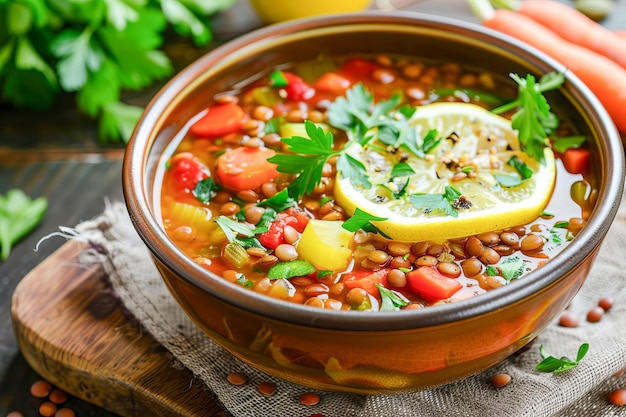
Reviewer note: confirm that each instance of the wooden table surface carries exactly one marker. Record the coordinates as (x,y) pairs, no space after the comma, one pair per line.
(57,155)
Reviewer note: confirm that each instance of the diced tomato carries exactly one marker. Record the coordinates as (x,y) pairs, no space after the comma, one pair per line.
(429,284)
(246,168)
(333,83)
(366,280)
(576,161)
(186,171)
(297,89)
(220,120)
(301,218)
(275,234)
(357,69)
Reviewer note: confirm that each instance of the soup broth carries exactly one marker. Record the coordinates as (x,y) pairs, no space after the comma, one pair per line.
(241,216)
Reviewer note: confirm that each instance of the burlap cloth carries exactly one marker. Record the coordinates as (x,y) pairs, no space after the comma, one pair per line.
(581,391)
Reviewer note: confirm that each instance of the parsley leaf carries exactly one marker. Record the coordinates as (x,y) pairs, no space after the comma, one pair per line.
(205,189)
(402,169)
(533,119)
(511,268)
(391,300)
(357,113)
(18,216)
(363,220)
(280,201)
(556,365)
(95,49)
(443,203)
(308,159)
(232,229)
(563,143)
(353,169)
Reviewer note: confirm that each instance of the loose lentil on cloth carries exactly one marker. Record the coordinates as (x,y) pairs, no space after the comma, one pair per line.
(581,391)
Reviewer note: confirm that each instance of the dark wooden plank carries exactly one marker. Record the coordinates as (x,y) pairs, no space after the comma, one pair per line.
(72,331)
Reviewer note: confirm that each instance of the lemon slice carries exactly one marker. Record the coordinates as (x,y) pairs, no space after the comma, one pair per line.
(472,157)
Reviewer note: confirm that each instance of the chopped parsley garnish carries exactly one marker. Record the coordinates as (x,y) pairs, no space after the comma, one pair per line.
(278,79)
(511,268)
(307,159)
(232,229)
(280,201)
(205,190)
(447,203)
(363,220)
(402,169)
(357,113)
(556,365)
(533,119)
(391,300)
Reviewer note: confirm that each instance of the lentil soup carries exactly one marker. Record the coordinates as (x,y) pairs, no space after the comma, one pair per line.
(232,202)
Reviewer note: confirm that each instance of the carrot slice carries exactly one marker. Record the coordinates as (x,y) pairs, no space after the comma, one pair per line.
(246,168)
(576,161)
(331,82)
(591,67)
(429,284)
(220,120)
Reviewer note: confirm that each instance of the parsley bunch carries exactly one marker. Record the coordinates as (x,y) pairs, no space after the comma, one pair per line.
(95,49)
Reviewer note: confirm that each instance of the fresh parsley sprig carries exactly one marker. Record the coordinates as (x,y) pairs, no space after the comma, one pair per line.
(558,365)
(307,159)
(533,119)
(363,220)
(94,48)
(19,215)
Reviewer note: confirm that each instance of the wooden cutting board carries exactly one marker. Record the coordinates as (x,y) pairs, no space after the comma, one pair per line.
(72,331)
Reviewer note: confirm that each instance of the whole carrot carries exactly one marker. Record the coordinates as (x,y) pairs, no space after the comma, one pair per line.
(575,27)
(605,78)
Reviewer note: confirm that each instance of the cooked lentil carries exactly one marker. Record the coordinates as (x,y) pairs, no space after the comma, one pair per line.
(618,397)
(595,314)
(309,398)
(40,389)
(501,380)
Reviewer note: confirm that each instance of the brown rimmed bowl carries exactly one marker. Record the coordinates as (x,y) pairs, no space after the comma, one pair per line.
(387,351)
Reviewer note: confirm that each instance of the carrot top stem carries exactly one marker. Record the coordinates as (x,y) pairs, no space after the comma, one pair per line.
(482,9)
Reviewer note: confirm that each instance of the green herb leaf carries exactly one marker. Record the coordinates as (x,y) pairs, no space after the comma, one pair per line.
(402,169)
(118,121)
(232,229)
(391,300)
(307,159)
(443,203)
(205,189)
(512,268)
(533,119)
(363,220)
(563,143)
(278,79)
(353,169)
(357,114)
(290,269)
(280,201)
(521,167)
(19,215)
(556,365)
(508,181)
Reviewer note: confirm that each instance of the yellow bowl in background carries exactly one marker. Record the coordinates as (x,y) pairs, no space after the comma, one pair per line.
(274,11)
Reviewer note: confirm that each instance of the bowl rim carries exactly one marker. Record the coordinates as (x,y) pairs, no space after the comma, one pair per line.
(148,226)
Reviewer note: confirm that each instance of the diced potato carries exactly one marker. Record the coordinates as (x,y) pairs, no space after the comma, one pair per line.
(326,245)
(282,288)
